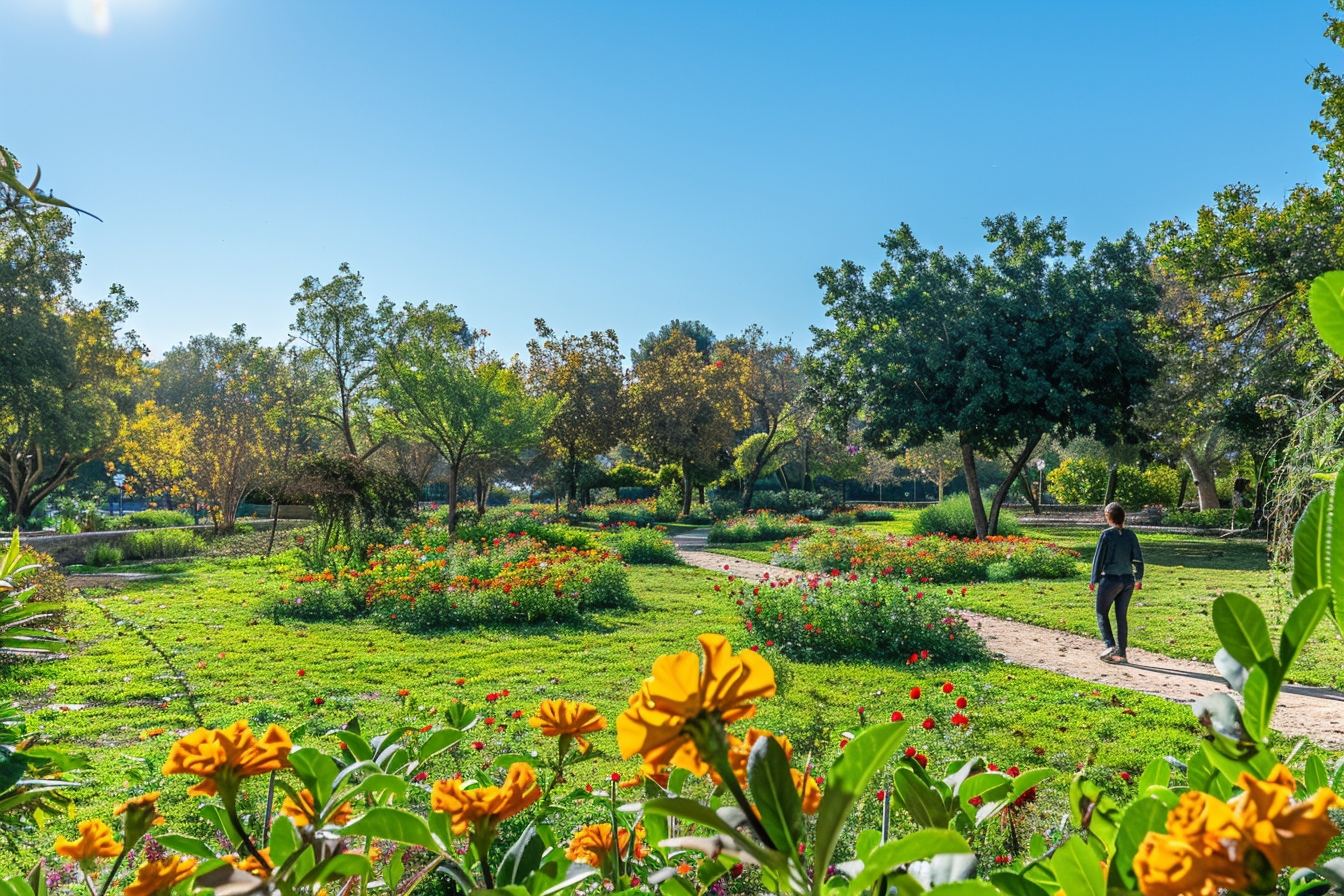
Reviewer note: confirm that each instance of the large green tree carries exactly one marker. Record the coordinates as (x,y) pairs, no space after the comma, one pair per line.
(66,368)
(1037,339)
(440,387)
(697,332)
(586,376)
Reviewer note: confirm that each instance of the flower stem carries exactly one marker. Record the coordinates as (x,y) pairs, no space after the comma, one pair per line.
(116,866)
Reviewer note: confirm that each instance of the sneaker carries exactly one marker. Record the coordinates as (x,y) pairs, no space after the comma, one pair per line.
(1117,658)
(1109,652)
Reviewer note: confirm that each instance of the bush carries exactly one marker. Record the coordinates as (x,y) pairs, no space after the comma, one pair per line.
(103,555)
(874,515)
(493,529)
(824,617)
(1199,519)
(843,518)
(931,558)
(667,506)
(1079,480)
(763,526)
(953,517)
(642,546)
(159,544)
(1155,485)
(159,519)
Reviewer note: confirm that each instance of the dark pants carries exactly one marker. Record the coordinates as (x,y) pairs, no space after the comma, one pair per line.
(1114,591)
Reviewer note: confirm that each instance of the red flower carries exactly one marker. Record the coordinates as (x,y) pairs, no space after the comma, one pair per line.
(1125,776)
(477,745)
(909,571)
(302,673)
(959,719)
(947,687)
(914,658)
(615,776)
(844,742)
(426,728)
(491,698)
(881,795)
(460,682)
(504,693)
(420,777)
(910,752)
(928,724)
(1002,860)
(897,717)
(769,643)
(923,654)
(860,710)
(922,760)
(318,701)
(961,703)
(976,801)
(403,692)
(489,720)
(914,693)
(516,714)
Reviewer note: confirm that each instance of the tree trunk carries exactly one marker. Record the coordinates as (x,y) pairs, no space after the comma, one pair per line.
(1111,482)
(1032,498)
(482,493)
(748,492)
(973,488)
(1180,498)
(453,470)
(1201,470)
(686,489)
(275,520)
(1001,494)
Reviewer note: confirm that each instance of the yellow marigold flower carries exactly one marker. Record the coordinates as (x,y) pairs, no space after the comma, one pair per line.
(250,863)
(740,750)
(486,806)
(303,812)
(96,841)
(680,691)
(156,877)
(808,791)
(1290,835)
(233,752)
(592,844)
(561,718)
(151,732)
(142,813)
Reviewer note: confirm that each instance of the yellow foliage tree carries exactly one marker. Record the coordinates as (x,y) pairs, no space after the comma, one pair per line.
(156,444)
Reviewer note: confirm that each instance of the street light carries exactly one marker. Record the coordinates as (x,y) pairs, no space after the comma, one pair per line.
(119,480)
(1040,486)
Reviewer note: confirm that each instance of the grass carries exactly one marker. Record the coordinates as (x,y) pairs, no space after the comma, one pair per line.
(1169,616)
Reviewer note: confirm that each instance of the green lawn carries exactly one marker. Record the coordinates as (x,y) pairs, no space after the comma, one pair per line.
(203,617)
(1170,615)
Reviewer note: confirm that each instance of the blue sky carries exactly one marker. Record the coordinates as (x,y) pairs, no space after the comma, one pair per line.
(620,164)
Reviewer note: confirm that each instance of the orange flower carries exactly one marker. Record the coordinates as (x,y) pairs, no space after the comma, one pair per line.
(680,692)
(303,812)
(808,791)
(1291,835)
(250,863)
(740,750)
(568,718)
(227,754)
(486,806)
(593,845)
(156,877)
(142,813)
(96,841)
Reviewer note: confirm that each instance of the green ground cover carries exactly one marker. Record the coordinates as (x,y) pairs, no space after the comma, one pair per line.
(1171,614)
(137,652)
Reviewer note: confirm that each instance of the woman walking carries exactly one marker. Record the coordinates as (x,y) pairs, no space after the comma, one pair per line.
(1117,569)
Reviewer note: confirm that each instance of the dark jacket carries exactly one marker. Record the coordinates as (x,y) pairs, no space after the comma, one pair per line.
(1118,554)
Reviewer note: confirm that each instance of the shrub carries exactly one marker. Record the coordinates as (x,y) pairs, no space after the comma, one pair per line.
(494,528)
(763,526)
(874,515)
(843,518)
(103,555)
(642,546)
(1079,480)
(159,544)
(825,617)
(1199,519)
(931,558)
(953,517)
(159,519)
(1155,485)
(667,506)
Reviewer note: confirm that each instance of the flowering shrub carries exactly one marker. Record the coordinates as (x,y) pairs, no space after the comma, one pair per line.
(641,513)
(760,526)
(953,516)
(931,558)
(814,617)
(640,546)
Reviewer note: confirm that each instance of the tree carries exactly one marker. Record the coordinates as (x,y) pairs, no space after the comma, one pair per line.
(463,400)
(22,203)
(701,335)
(686,409)
(341,335)
(156,444)
(1038,339)
(226,387)
(938,462)
(585,375)
(772,383)
(66,369)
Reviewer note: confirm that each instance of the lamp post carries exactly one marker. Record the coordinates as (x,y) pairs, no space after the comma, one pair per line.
(1040,486)
(119,480)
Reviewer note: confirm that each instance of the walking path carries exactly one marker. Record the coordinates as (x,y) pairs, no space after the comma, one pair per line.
(1317,713)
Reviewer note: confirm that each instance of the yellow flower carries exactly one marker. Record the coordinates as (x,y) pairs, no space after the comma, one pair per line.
(228,753)
(592,844)
(1210,845)
(486,806)
(303,812)
(156,877)
(151,732)
(142,813)
(561,718)
(96,841)
(679,691)
(808,791)
(740,750)
(250,863)
(1290,835)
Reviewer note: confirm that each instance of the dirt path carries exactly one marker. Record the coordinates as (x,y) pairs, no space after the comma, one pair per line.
(1317,713)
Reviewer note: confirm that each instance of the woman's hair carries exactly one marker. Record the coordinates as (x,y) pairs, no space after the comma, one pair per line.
(1115,512)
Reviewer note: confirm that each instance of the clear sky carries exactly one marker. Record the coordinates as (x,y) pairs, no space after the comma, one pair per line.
(619,164)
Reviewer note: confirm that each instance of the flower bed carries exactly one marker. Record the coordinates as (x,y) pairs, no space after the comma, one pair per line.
(640,546)
(934,558)
(761,526)
(816,617)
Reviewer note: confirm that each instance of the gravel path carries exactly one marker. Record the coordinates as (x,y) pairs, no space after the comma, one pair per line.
(1317,713)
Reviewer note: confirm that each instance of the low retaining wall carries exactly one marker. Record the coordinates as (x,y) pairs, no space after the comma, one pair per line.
(68,549)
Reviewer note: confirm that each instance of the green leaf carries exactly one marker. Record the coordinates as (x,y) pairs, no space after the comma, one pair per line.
(188,846)
(1077,869)
(1037,846)
(284,839)
(675,886)
(1241,628)
(920,800)
(341,865)
(989,786)
(1015,884)
(316,770)
(966,888)
(386,823)
(15,886)
(437,742)
(37,878)
(1301,624)
(1141,816)
(698,813)
(380,784)
(849,776)
(523,857)
(1029,779)
(1156,774)
(1311,547)
(1317,776)
(1261,694)
(1326,301)
(776,798)
(357,745)
(914,847)
(1093,810)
